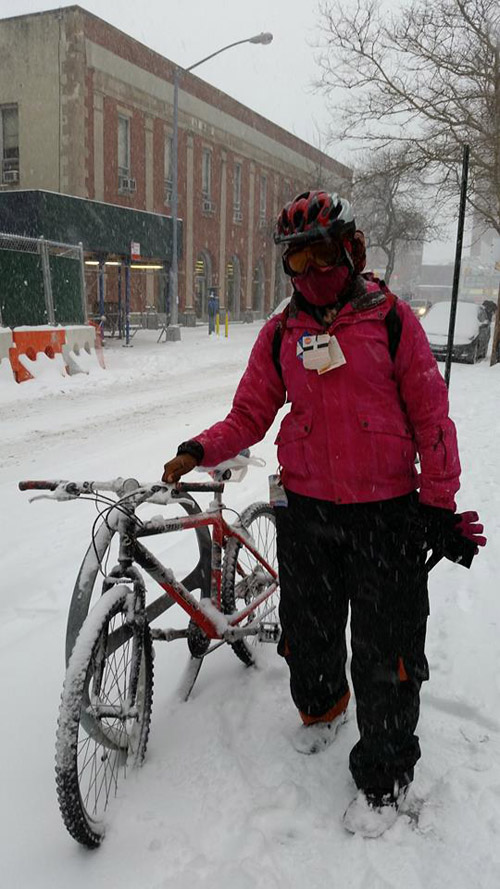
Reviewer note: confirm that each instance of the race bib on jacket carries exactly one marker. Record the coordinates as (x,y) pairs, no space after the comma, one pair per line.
(336,355)
(320,352)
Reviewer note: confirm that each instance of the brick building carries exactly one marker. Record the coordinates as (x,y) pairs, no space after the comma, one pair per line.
(86,111)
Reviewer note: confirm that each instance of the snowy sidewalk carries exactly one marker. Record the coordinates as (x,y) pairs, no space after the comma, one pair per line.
(223,800)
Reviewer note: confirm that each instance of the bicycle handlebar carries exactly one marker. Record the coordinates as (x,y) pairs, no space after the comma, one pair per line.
(38,486)
(68,490)
(230,470)
(116,485)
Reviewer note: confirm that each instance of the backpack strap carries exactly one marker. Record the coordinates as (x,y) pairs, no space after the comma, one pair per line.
(278,337)
(394,327)
(392,320)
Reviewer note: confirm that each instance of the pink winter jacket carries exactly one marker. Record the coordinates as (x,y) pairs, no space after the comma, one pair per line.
(353,433)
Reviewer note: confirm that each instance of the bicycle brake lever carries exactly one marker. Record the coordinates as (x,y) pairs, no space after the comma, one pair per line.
(164,494)
(57,495)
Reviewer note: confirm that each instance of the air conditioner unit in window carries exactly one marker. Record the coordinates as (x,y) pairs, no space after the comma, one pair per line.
(10,176)
(125,184)
(237,215)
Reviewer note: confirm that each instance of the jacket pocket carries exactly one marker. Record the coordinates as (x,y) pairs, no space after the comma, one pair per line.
(388,446)
(387,426)
(291,437)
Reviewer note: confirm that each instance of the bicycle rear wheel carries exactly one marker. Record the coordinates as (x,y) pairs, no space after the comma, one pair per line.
(104,715)
(243,578)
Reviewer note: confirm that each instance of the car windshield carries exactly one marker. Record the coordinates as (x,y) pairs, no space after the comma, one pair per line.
(438,318)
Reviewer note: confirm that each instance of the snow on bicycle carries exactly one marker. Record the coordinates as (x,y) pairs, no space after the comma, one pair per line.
(230,597)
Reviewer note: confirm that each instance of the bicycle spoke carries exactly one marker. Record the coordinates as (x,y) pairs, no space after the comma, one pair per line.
(245,579)
(108,735)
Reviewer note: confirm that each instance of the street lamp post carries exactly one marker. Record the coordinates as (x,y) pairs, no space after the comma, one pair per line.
(264,38)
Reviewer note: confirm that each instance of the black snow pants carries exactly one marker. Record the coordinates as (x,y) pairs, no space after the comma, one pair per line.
(359,555)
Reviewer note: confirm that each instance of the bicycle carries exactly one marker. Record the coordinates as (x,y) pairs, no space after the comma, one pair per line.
(106,703)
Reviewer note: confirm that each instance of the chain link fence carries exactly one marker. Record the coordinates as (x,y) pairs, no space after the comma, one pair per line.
(41,282)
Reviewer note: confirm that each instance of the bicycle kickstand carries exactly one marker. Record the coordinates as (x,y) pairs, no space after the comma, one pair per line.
(190,676)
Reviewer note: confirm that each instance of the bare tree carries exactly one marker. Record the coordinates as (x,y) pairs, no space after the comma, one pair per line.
(321,175)
(387,197)
(427,78)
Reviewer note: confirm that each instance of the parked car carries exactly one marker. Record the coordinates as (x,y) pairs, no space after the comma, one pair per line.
(420,307)
(472,331)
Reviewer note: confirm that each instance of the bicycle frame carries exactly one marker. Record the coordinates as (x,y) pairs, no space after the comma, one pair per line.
(105,711)
(131,550)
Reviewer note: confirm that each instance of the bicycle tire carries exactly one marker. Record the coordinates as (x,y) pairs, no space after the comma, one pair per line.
(88,588)
(94,749)
(239,560)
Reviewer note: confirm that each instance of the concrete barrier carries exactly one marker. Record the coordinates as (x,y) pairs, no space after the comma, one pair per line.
(80,350)
(6,343)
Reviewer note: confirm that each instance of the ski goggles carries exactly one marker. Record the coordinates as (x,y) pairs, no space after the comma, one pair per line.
(322,254)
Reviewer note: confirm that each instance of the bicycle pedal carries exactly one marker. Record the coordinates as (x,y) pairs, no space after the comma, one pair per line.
(269,633)
(168,635)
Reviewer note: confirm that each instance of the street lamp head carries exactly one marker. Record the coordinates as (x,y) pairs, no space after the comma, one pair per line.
(264,37)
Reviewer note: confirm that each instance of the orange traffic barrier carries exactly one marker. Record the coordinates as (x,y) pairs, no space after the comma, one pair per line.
(30,341)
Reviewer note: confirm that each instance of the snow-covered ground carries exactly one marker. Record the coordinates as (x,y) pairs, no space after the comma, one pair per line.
(223,800)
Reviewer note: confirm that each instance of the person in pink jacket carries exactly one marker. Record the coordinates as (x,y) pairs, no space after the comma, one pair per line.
(366,399)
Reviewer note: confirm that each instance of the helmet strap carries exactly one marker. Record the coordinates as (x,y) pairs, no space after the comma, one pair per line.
(348,259)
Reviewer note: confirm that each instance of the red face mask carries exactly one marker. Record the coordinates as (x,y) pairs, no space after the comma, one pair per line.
(322,287)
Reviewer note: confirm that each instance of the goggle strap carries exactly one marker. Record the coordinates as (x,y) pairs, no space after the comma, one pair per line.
(348,257)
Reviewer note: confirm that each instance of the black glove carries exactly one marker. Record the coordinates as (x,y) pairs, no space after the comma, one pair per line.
(438,529)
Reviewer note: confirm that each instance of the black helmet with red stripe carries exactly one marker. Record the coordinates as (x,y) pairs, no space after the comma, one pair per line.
(314,215)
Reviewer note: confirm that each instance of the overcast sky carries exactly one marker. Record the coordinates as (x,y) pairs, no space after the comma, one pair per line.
(275,80)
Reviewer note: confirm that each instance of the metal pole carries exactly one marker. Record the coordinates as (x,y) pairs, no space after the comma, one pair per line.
(264,38)
(101,298)
(495,356)
(120,304)
(83,284)
(458,260)
(47,283)
(174,290)
(127,303)
(495,346)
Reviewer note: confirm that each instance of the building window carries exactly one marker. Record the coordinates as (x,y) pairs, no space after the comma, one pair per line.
(9,144)
(286,192)
(167,167)
(123,146)
(206,173)
(126,185)
(263,199)
(237,214)
(206,181)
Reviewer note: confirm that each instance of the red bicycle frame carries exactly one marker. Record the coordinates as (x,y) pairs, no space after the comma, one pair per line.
(131,550)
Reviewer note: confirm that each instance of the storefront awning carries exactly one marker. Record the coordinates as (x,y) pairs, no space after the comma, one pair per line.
(101,228)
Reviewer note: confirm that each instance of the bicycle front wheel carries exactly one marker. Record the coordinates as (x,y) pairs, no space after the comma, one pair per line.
(243,578)
(102,555)
(104,715)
